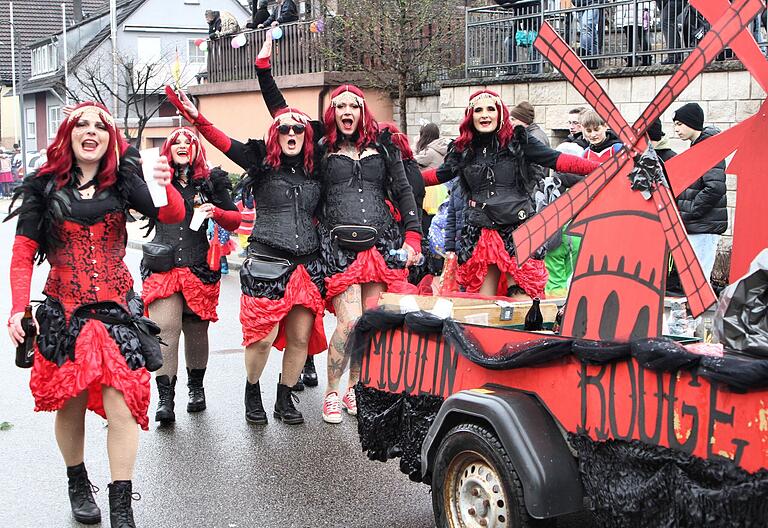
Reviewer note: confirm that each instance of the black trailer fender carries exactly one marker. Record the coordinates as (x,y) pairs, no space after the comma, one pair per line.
(535,445)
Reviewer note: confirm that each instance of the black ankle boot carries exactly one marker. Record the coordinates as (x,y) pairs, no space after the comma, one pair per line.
(166,389)
(196,391)
(120,511)
(81,491)
(284,408)
(254,409)
(308,373)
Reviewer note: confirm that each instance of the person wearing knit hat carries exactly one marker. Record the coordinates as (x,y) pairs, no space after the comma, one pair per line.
(523,115)
(489,157)
(523,112)
(704,205)
(282,280)
(368,225)
(691,115)
(659,141)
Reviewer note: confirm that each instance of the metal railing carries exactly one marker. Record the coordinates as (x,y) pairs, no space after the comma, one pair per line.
(606,33)
(299,51)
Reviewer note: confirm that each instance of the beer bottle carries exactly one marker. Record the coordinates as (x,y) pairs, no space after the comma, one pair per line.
(533,319)
(25,352)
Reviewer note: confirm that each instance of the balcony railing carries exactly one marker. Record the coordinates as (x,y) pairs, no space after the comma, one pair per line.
(299,51)
(607,34)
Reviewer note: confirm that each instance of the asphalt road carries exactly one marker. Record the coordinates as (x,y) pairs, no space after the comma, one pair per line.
(211,469)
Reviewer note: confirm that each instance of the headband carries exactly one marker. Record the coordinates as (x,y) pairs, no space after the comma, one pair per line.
(104,115)
(347,97)
(482,96)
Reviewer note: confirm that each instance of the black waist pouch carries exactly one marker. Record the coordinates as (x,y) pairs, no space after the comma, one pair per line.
(158,258)
(354,237)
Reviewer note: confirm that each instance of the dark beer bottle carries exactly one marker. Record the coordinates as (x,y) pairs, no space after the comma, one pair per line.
(533,319)
(25,352)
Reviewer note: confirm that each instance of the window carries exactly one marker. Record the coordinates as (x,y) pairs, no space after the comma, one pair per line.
(54,119)
(45,59)
(29,114)
(194,55)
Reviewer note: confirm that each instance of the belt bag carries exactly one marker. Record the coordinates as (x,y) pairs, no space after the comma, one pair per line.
(354,237)
(507,210)
(158,258)
(265,267)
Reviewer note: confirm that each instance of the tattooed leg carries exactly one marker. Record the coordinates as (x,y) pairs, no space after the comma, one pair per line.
(348,306)
(370,294)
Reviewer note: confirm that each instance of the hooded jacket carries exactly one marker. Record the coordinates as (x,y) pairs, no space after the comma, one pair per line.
(703,205)
(284,13)
(603,151)
(433,155)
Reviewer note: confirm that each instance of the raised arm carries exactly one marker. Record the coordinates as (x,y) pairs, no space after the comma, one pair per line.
(537,152)
(138,194)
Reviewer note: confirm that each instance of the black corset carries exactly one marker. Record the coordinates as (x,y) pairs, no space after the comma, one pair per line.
(355,192)
(285,206)
(190,248)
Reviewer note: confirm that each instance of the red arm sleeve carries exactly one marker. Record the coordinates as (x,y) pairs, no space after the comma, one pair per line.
(174,212)
(215,137)
(229,220)
(574,164)
(22,262)
(430,177)
(413,239)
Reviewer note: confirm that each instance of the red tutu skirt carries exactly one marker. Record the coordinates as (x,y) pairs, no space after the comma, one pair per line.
(531,276)
(98,362)
(259,315)
(200,297)
(369,266)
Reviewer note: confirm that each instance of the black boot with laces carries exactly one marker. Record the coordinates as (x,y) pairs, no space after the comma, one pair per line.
(285,411)
(120,510)
(254,409)
(196,401)
(308,373)
(81,491)
(166,390)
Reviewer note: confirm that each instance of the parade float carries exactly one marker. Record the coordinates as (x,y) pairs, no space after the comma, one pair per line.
(516,428)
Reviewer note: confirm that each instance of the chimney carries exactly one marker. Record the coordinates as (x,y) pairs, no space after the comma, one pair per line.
(77,10)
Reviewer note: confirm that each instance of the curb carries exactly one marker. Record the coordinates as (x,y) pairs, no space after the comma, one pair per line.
(233,264)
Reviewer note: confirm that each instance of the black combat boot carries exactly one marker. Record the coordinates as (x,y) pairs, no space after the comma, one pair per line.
(196,401)
(254,409)
(284,408)
(120,511)
(81,499)
(308,373)
(166,389)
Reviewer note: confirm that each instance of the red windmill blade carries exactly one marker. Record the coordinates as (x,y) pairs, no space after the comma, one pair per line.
(738,16)
(552,46)
(542,226)
(744,45)
(697,289)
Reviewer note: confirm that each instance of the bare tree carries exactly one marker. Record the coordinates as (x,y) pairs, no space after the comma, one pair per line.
(400,45)
(140,89)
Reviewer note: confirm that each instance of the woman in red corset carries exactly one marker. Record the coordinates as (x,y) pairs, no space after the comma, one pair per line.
(282,277)
(491,158)
(180,291)
(90,353)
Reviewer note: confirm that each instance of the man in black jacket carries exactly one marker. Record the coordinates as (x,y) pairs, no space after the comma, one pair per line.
(286,11)
(703,205)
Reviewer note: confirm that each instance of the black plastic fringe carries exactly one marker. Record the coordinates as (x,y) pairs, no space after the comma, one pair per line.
(395,425)
(642,486)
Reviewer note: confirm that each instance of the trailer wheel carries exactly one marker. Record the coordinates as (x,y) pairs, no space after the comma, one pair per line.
(474,484)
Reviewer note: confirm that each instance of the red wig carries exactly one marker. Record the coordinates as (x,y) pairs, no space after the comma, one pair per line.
(367,128)
(504,130)
(273,143)
(61,158)
(198,162)
(399,139)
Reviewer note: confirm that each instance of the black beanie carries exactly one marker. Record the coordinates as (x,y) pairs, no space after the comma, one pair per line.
(654,131)
(690,114)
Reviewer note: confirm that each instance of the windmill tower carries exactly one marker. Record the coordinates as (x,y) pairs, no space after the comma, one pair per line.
(628,228)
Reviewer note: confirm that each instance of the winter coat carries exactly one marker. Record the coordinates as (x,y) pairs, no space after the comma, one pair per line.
(537,171)
(224,23)
(663,150)
(624,15)
(433,155)
(457,202)
(703,205)
(284,13)
(579,139)
(607,148)
(260,13)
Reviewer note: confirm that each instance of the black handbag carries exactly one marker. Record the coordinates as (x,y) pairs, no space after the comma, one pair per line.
(158,258)
(354,237)
(507,210)
(265,267)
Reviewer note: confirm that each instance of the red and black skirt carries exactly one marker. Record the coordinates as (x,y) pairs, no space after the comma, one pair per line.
(76,352)
(266,303)
(346,267)
(201,296)
(482,247)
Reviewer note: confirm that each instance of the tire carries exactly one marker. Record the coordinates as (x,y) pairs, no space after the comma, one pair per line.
(474,482)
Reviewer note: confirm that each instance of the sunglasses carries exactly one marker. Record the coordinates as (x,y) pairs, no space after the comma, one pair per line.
(297,129)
